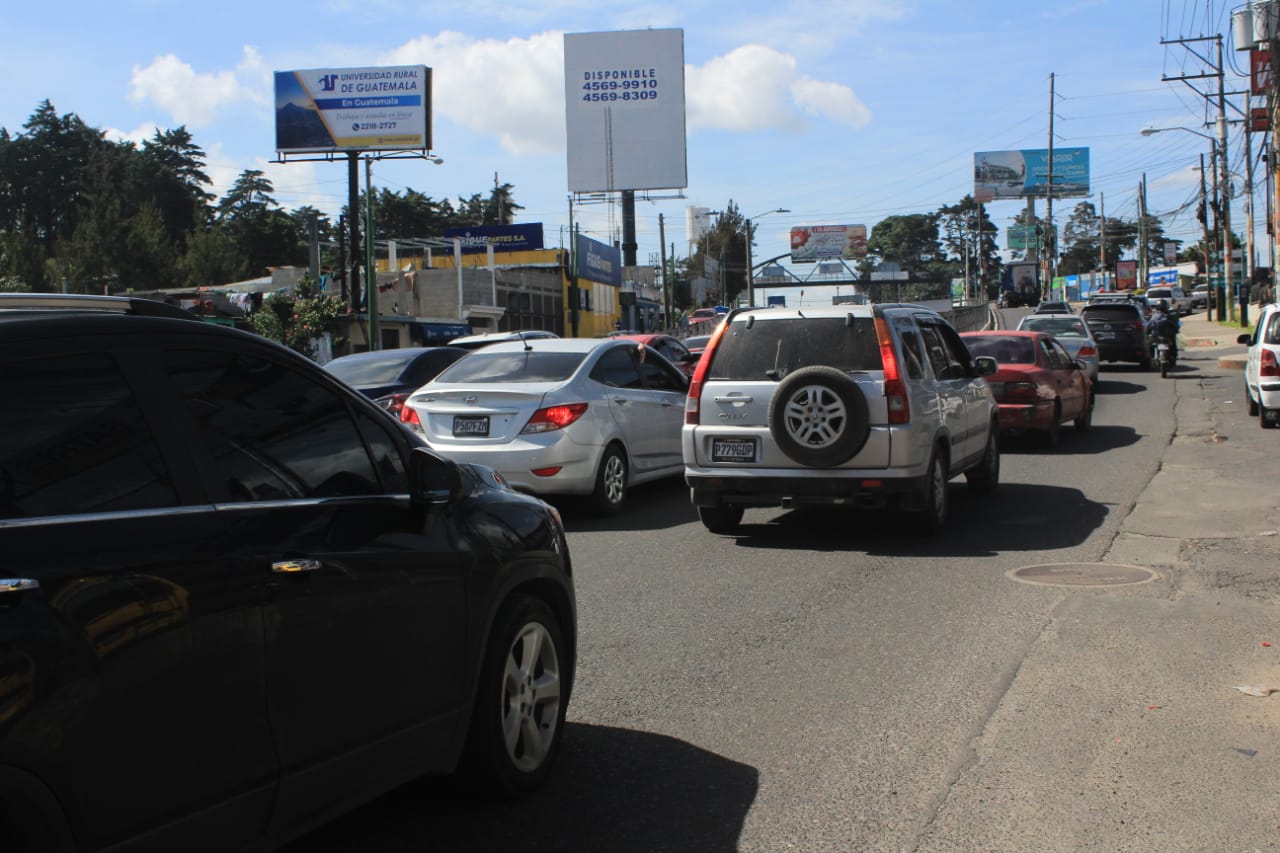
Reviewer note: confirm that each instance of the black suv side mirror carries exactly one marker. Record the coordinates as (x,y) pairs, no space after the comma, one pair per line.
(432,479)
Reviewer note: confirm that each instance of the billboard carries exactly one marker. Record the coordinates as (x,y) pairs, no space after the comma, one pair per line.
(1017,174)
(1126,275)
(503,238)
(624,110)
(823,242)
(324,110)
(598,262)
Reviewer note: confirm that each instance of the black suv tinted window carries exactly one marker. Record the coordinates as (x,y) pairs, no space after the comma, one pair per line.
(73,440)
(274,433)
(770,349)
(1112,313)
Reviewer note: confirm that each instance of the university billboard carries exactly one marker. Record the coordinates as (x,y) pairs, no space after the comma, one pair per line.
(324,110)
(624,110)
(810,243)
(1018,174)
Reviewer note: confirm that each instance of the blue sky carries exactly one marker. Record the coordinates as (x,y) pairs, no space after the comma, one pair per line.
(911,89)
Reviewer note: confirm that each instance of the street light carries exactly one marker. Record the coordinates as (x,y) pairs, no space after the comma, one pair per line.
(1218,147)
(751,278)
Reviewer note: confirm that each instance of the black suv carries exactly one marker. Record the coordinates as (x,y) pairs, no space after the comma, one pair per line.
(238,599)
(1119,329)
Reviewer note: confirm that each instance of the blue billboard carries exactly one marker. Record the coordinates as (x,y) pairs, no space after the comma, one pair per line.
(599,262)
(503,238)
(1018,174)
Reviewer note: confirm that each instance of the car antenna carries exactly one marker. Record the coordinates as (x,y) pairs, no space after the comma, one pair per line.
(524,341)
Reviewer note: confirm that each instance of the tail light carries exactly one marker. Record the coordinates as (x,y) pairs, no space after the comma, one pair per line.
(895,390)
(1087,351)
(1021,392)
(393,403)
(409,416)
(553,418)
(1267,364)
(691,402)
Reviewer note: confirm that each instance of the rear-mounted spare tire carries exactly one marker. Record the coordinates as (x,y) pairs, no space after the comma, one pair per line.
(819,417)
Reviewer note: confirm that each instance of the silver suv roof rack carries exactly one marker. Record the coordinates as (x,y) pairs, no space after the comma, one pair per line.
(87,302)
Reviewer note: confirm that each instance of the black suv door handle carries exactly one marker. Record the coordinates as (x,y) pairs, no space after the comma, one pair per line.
(291,567)
(9,586)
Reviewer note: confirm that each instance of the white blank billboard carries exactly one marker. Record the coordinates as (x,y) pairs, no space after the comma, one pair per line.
(624,110)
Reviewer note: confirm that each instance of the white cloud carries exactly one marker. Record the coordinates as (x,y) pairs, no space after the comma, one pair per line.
(194,99)
(755,88)
(138,135)
(512,90)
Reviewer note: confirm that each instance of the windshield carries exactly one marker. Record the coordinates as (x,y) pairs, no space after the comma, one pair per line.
(482,366)
(371,369)
(771,349)
(1062,327)
(1005,350)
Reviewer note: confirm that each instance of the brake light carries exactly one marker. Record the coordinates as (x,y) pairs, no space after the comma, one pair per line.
(1087,351)
(1267,364)
(409,416)
(393,403)
(695,384)
(553,418)
(1021,392)
(895,390)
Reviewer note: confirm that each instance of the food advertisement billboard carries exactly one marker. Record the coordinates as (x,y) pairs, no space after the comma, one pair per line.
(810,243)
(624,110)
(1018,174)
(324,110)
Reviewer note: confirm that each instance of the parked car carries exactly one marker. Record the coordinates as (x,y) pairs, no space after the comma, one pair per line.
(1072,332)
(1199,297)
(1119,330)
(670,348)
(1053,307)
(1172,297)
(388,376)
(1038,384)
(239,599)
(1262,371)
(470,342)
(571,416)
(862,406)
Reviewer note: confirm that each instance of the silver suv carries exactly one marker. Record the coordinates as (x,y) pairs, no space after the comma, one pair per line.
(853,405)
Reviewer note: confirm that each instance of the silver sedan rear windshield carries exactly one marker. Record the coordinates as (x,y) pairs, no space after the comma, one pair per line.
(770,349)
(533,366)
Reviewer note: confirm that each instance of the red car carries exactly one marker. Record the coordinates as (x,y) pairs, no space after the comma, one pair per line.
(1038,384)
(673,349)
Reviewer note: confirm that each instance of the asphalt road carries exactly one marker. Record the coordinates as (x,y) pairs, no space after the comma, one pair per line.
(836,681)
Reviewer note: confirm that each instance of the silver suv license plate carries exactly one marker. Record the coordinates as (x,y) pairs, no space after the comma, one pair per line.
(733,450)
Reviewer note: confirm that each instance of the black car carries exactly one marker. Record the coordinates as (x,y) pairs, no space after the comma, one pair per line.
(238,599)
(389,376)
(1119,329)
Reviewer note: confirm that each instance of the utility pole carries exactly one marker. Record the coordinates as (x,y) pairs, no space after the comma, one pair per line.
(1051,244)
(1144,261)
(371,287)
(1204,223)
(666,279)
(1226,187)
(1102,236)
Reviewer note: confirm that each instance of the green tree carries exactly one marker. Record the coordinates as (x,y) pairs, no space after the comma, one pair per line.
(910,240)
(967,231)
(298,320)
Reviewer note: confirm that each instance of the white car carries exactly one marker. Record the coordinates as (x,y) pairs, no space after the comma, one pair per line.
(559,416)
(1262,373)
(1174,298)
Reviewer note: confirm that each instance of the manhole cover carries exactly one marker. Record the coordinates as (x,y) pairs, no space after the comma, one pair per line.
(1083,574)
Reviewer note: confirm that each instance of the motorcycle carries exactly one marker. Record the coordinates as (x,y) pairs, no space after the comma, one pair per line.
(1164,355)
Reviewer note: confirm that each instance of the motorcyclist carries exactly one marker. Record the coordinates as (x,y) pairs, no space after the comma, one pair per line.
(1163,325)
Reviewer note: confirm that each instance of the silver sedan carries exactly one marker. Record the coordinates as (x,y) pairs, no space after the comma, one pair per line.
(566,416)
(1072,332)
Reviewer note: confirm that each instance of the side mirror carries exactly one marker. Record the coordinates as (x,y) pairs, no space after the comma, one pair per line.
(432,479)
(1244,339)
(985,365)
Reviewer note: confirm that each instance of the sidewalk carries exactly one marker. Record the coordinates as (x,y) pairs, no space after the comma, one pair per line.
(1201,334)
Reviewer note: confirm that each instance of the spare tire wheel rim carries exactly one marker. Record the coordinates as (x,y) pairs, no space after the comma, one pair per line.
(816,416)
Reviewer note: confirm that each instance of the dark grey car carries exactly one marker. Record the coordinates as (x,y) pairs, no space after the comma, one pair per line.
(1120,332)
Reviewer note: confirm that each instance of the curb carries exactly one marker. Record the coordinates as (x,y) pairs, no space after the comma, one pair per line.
(1233,362)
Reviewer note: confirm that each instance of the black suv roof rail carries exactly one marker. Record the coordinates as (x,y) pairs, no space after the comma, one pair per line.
(87,302)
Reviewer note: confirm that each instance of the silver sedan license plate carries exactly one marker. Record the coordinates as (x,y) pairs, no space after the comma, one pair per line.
(733,450)
(471,425)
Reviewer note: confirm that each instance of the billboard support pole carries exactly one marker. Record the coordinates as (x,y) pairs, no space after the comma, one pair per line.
(353,219)
(371,272)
